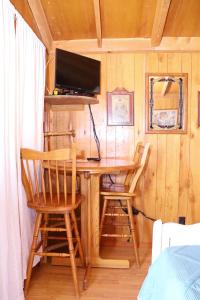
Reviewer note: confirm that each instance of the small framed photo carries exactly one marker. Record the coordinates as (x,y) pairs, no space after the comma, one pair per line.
(120,107)
(165,118)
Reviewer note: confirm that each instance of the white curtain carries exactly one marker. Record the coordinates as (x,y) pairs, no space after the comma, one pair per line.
(22,78)
(30,82)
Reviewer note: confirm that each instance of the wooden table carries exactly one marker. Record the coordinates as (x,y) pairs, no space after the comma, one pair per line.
(90,173)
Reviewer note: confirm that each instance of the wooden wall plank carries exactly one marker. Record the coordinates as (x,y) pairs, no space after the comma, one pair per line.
(172,156)
(139,107)
(150,177)
(194,187)
(161,154)
(125,80)
(111,84)
(185,145)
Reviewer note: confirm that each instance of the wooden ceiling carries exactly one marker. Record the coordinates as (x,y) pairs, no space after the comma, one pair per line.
(66,20)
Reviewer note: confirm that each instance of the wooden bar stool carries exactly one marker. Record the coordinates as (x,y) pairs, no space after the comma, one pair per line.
(123,195)
(44,176)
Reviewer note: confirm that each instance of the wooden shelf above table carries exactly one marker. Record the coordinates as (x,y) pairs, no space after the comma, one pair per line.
(70,100)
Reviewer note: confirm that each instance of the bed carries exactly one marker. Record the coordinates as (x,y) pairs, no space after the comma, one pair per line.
(175,270)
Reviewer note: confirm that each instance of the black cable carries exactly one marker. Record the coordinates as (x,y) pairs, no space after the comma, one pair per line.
(95,133)
(134,210)
(137,211)
(110,179)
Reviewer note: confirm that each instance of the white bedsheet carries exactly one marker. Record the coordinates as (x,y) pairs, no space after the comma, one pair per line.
(175,275)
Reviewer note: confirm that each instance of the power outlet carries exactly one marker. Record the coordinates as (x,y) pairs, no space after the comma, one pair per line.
(181,220)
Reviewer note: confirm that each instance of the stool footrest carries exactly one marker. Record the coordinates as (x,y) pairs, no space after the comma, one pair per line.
(52,229)
(116,235)
(116,215)
(52,254)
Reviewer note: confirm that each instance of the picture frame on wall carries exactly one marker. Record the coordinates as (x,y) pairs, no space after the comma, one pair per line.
(120,108)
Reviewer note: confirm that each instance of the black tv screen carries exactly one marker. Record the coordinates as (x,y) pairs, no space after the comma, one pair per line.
(76,73)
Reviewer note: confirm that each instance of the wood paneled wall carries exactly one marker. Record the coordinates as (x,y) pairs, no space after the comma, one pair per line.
(172,182)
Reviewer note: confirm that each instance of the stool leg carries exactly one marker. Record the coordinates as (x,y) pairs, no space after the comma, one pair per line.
(32,252)
(130,214)
(78,238)
(105,204)
(44,235)
(72,254)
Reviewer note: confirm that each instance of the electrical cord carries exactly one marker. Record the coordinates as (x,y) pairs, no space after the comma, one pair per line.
(110,179)
(134,209)
(95,135)
(137,211)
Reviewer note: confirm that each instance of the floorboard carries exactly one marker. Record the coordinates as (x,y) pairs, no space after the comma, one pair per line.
(55,282)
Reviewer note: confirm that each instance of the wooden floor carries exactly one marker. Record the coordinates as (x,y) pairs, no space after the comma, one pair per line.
(55,282)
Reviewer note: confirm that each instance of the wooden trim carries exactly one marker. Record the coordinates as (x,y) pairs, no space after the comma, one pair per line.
(97,13)
(168,44)
(198,122)
(41,21)
(159,21)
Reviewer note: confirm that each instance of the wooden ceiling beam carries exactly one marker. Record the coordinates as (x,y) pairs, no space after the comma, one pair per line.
(98,21)
(41,21)
(168,44)
(159,21)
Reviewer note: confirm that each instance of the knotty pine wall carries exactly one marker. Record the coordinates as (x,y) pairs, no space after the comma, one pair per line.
(171,187)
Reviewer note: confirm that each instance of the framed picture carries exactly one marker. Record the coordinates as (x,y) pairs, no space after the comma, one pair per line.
(165,118)
(120,107)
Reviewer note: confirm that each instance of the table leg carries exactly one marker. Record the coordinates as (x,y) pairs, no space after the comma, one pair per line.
(85,225)
(96,260)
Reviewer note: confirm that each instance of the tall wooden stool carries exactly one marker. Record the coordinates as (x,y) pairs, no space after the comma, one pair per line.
(44,176)
(124,194)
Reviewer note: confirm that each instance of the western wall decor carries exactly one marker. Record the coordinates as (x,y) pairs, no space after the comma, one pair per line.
(120,107)
(166,103)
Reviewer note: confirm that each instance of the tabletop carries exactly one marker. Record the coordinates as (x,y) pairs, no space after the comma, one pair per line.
(105,165)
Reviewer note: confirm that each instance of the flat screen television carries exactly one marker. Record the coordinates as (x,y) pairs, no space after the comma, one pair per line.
(76,74)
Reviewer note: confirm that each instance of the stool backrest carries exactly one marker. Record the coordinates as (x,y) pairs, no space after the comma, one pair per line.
(141,158)
(44,175)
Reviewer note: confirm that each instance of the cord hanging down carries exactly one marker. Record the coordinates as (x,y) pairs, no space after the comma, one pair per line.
(95,137)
